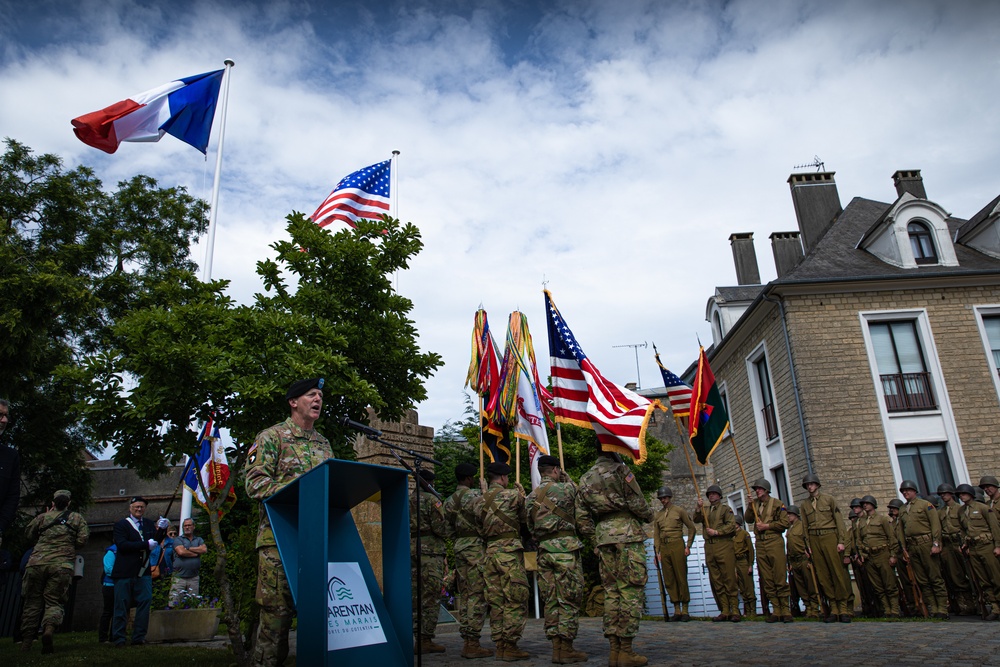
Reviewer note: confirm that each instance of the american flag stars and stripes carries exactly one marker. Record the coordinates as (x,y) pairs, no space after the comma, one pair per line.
(678,393)
(363,195)
(584,397)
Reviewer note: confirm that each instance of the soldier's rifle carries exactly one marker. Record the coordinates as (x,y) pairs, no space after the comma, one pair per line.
(980,599)
(663,591)
(869,603)
(918,598)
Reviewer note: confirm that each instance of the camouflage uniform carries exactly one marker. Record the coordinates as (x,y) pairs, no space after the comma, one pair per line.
(825,527)
(610,506)
(877,544)
(956,578)
(433,531)
(981,530)
(551,518)
(279,455)
(502,514)
(921,528)
(744,554)
(799,567)
(771,564)
(47,578)
(719,556)
(461,512)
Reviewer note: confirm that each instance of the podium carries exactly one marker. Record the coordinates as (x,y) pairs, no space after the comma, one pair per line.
(344,618)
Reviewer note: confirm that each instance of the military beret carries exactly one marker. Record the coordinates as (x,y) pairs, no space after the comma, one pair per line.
(63,493)
(463,470)
(497,468)
(427,474)
(300,387)
(137,499)
(547,461)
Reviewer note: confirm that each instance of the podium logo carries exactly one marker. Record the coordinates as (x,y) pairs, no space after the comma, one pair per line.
(337,590)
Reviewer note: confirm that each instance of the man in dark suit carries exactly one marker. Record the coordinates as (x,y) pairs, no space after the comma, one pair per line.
(134,537)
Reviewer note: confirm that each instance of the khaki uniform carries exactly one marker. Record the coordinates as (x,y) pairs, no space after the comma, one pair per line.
(461,512)
(551,515)
(501,515)
(906,585)
(771,565)
(921,528)
(433,531)
(610,506)
(720,556)
(981,531)
(47,578)
(956,577)
(744,554)
(877,544)
(279,455)
(800,568)
(825,527)
(668,538)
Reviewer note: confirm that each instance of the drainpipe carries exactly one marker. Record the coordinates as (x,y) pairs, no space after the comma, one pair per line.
(795,382)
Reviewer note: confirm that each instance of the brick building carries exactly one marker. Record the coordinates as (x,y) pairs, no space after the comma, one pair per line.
(872,357)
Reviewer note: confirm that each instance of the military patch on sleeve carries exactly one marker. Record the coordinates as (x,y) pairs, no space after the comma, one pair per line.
(252,456)
(437,504)
(630,477)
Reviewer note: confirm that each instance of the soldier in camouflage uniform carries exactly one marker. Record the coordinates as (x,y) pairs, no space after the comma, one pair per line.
(921,530)
(799,567)
(720,526)
(427,521)
(501,515)
(878,550)
(461,513)
(611,506)
(981,531)
(956,577)
(551,513)
(280,454)
(672,552)
(59,533)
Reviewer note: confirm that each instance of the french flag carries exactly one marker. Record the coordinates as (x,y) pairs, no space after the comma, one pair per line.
(184,108)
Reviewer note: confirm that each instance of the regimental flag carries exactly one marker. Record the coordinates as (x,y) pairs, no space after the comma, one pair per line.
(184,108)
(678,393)
(582,396)
(484,378)
(212,466)
(363,195)
(708,420)
(496,440)
(528,416)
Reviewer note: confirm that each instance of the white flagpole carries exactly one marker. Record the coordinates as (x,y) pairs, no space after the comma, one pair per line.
(394,185)
(186,497)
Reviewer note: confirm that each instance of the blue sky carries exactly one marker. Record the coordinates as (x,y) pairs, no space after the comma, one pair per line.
(607,148)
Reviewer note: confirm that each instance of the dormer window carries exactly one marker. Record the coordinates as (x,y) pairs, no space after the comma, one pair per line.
(922,243)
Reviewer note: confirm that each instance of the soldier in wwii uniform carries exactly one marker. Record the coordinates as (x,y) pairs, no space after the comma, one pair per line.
(57,534)
(879,549)
(611,506)
(280,454)
(827,539)
(672,551)
(921,529)
(720,526)
(551,515)
(798,563)
(744,554)
(461,512)
(906,585)
(770,521)
(991,487)
(981,531)
(956,579)
(506,579)
(427,520)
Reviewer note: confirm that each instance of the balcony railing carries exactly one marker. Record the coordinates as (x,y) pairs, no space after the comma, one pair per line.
(770,421)
(906,392)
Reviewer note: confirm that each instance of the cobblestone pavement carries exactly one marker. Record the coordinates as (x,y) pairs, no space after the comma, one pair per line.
(955,643)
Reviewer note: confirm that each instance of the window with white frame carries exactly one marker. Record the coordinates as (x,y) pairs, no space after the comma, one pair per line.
(902,368)
(922,243)
(926,464)
(991,326)
(768,416)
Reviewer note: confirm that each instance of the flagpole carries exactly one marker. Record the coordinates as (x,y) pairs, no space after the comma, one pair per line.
(394,185)
(562,463)
(517,461)
(482,477)
(742,472)
(687,455)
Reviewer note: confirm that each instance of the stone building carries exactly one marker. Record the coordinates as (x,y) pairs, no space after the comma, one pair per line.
(872,357)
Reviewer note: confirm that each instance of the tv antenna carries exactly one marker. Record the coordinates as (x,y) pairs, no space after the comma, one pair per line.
(638,384)
(819,164)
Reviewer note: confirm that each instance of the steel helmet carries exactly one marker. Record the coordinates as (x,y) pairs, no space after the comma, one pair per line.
(811,478)
(966,488)
(761,483)
(908,484)
(664,492)
(715,488)
(895,503)
(793,509)
(988,480)
(856,502)
(945,488)
(869,499)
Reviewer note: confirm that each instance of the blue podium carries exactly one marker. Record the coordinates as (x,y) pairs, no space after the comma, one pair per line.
(344,618)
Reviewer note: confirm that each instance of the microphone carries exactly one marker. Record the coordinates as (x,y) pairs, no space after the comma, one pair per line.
(357,426)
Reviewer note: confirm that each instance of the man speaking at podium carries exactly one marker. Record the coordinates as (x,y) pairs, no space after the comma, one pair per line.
(279,455)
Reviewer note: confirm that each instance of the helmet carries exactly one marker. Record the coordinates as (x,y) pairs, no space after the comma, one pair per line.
(793,509)
(980,495)
(966,488)
(945,488)
(810,479)
(715,488)
(988,480)
(895,503)
(856,502)
(740,519)
(761,483)
(664,492)
(869,499)
(908,484)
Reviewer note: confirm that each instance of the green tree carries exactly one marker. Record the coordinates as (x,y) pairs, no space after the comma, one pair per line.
(167,365)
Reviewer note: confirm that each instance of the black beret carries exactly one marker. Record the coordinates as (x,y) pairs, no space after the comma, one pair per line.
(138,499)
(427,474)
(498,468)
(300,387)
(463,470)
(547,461)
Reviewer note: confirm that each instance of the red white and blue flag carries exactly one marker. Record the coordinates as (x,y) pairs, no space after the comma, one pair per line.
(212,466)
(184,108)
(363,195)
(678,393)
(584,397)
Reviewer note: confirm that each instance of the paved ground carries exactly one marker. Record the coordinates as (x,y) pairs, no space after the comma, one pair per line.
(956,643)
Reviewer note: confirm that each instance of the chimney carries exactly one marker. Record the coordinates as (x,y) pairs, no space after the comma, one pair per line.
(817,204)
(745,258)
(787,249)
(909,180)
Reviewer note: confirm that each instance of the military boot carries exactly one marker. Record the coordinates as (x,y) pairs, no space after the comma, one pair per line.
(472,649)
(629,658)
(26,644)
(501,650)
(427,645)
(570,654)
(47,634)
(749,608)
(513,653)
(616,647)
(557,651)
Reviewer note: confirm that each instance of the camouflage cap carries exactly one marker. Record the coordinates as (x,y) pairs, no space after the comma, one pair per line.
(300,387)
(63,493)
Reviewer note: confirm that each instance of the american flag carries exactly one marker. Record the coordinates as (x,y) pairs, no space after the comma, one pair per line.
(678,393)
(361,195)
(584,397)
